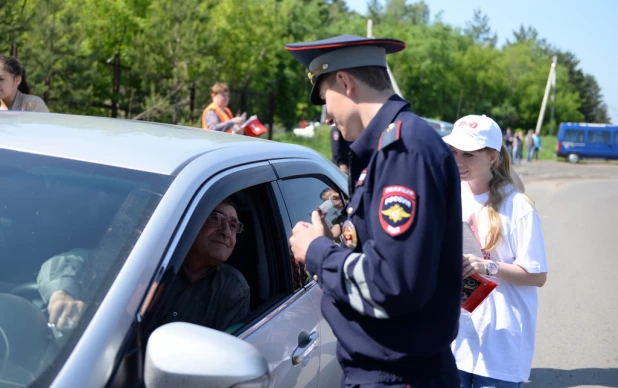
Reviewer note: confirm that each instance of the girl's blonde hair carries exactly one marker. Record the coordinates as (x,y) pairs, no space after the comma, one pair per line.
(501,171)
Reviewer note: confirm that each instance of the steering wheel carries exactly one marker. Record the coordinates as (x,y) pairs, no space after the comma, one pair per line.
(30,292)
(24,334)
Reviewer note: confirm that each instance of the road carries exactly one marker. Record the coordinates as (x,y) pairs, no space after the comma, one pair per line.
(577,333)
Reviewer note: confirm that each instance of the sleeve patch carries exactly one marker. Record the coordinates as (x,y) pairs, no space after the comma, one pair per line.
(397,209)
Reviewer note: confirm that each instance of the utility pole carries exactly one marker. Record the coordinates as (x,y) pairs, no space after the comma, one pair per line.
(553,101)
(551,81)
(390,74)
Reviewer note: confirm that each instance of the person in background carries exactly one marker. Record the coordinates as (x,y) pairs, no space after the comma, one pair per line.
(217,116)
(536,139)
(14,89)
(529,145)
(340,148)
(508,140)
(495,344)
(518,145)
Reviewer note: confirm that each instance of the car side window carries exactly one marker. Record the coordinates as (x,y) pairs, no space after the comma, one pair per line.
(574,135)
(601,137)
(302,196)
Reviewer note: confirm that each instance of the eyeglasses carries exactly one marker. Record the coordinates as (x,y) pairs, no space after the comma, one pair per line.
(217,219)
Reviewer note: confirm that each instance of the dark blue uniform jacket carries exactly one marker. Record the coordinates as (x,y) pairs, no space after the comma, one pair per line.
(394,300)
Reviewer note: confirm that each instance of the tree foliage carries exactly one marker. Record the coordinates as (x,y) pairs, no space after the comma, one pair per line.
(156,59)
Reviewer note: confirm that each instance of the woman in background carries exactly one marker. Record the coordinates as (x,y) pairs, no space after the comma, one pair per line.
(14,90)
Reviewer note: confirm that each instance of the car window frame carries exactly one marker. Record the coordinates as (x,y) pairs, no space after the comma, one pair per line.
(303,168)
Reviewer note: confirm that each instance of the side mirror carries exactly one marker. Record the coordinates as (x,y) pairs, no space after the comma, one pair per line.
(181,354)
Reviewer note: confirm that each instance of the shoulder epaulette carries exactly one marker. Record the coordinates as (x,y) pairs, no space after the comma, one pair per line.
(391,135)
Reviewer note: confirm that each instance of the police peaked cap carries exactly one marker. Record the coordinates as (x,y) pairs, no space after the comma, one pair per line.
(339,53)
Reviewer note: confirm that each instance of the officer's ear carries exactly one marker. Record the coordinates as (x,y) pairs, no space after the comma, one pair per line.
(347,82)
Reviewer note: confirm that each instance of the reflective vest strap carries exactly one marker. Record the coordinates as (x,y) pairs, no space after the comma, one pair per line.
(224,115)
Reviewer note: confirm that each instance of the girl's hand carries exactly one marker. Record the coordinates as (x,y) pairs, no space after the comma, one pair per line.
(473,264)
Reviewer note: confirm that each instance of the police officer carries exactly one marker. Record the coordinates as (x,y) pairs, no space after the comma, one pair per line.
(340,149)
(392,295)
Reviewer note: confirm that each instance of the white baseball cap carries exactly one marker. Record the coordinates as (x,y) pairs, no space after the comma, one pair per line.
(474,132)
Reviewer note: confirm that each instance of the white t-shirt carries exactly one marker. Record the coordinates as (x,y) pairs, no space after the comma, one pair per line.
(497,339)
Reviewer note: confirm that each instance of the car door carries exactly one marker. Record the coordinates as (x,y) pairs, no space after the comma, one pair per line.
(283,322)
(288,333)
(306,186)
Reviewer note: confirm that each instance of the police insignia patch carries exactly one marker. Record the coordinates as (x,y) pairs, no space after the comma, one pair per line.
(349,234)
(397,209)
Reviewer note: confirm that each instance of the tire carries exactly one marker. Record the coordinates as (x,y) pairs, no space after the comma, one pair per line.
(573,158)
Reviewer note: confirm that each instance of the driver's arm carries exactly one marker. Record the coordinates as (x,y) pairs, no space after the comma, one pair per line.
(60,285)
(63,272)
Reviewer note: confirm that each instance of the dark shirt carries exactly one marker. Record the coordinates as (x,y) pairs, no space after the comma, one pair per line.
(393,301)
(340,148)
(218,299)
(508,138)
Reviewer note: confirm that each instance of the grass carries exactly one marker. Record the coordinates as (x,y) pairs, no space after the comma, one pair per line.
(321,143)
(548,148)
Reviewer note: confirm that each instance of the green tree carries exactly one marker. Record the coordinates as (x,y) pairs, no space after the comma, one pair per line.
(478,29)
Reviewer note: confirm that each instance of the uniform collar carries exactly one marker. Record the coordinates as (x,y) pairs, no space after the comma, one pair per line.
(367,143)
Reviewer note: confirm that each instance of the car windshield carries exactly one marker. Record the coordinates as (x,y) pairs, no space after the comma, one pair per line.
(50,206)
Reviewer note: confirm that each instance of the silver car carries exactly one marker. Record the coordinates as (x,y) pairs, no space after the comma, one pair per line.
(442,127)
(136,194)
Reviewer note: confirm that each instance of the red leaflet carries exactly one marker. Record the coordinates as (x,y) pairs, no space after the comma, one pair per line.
(474,291)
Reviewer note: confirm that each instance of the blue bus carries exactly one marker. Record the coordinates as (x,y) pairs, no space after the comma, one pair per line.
(587,141)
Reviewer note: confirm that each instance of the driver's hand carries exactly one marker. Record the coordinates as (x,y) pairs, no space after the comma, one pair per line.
(64,311)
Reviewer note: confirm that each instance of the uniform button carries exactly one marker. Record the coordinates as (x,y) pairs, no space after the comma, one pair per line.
(174,313)
(350,210)
(315,277)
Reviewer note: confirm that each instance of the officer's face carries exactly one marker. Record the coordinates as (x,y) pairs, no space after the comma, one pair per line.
(474,165)
(340,108)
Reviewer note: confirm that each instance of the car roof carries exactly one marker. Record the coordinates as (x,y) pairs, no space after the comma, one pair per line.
(138,145)
(587,125)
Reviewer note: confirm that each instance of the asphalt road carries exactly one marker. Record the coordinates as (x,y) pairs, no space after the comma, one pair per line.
(577,332)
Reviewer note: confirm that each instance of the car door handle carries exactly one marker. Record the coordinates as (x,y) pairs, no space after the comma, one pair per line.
(306,344)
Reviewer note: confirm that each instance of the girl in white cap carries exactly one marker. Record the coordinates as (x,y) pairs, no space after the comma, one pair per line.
(495,343)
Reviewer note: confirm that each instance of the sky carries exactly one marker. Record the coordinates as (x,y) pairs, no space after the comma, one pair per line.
(588,29)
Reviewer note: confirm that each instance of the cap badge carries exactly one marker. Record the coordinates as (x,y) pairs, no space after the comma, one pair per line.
(314,73)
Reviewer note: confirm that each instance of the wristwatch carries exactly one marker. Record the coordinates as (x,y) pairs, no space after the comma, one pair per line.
(492,268)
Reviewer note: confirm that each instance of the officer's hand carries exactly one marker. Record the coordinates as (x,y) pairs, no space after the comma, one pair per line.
(64,311)
(304,233)
(344,168)
(473,264)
